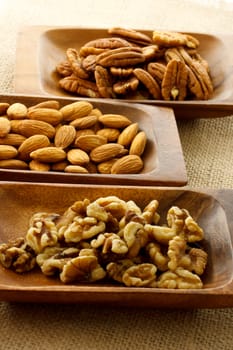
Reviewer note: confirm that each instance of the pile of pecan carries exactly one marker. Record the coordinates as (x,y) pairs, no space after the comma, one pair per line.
(110,239)
(128,64)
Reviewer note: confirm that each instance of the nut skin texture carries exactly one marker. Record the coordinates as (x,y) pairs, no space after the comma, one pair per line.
(89,142)
(114,120)
(78,157)
(130,164)
(76,110)
(32,127)
(17,111)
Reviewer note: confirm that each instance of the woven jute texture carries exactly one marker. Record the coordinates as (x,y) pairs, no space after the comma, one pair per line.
(208,153)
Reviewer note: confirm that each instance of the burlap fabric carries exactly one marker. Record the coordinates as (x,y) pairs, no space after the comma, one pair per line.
(207,147)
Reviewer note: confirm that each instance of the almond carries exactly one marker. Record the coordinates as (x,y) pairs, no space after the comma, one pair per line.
(5,126)
(38,166)
(96,111)
(75,110)
(76,169)
(138,144)
(84,132)
(88,142)
(64,136)
(105,167)
(114,120)
(48,115)
(77,157)
(31,144)
(128,134)
(59,166)
(48,154)
(105,152)
(111,134)
(12,139)
(46,104)
(14,124)
(7,152)
(130,164)
(13,164)
(17,111)
(84,122)
(30,127)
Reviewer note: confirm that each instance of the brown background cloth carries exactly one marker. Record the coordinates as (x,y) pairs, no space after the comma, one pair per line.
(208,153)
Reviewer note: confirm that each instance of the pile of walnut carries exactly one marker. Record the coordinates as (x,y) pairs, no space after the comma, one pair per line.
(110,239)
(129,64)
(75,138)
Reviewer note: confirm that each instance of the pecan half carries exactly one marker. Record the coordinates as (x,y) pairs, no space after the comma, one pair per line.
(174,83)
(121,57)
(104,82)
(80,86)
(64,68)
(157,71)
(74,60)
(131,35)
(148,81)
(123,87)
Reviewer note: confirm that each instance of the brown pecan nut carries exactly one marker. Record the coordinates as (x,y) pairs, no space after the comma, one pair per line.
(123,87)
(80,86)
(104,82)
(174,83)
(131,35)
(75,62)
(64,68)
(108,43)
(157,71)
(121,57)
(148,81)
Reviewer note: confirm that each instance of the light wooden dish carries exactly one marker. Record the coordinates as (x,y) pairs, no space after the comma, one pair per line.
(47,46)
(212,210)
(163,156)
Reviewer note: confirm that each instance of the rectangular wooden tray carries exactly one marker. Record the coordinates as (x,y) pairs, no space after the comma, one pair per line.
(163,156)
(47,46)
(212,209)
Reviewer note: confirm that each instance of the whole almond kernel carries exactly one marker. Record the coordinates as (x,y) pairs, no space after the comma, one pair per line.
(48,115)
(30,127)
(84,132)
(76,169)
(14,124)
(130,164)
(105,167)
(7,152)
(111,134)
(59,166)
(127,135)
(12,139)
(31,144)
(35,165)
(5,126)
(138,144)
(13,164)
(46,104)
(114,120)
(65,136)
(84,122)
(105,152)
(77,157)
(89,142)
(17,111)
(75,110)
(48,154)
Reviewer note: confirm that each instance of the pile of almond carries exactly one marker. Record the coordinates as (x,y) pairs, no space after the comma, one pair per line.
(75,138)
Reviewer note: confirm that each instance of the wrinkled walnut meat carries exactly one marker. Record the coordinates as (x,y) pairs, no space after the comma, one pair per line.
(128,64)
(109,239)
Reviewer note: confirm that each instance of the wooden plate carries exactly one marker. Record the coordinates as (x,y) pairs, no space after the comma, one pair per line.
(47,46)
(212,210)
(163,156)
